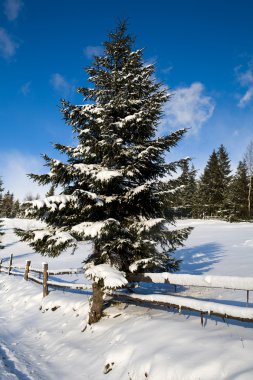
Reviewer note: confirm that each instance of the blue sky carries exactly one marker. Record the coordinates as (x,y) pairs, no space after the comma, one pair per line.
(202,50)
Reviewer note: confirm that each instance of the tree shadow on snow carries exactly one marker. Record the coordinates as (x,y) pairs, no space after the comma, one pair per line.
(16,257)
(72,291)
(199,259)
(230,302)
(195,261)
(11,244)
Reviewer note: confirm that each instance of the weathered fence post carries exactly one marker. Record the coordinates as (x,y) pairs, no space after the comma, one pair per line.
(45,278)
(1,264)
(27,269)
(201,318)
(10,264)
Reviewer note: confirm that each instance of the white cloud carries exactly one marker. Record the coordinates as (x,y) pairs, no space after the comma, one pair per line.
(91,51)
(245,79)
(26,88)
(189,107)
(14,169)
(167,69)
(12,9)
(246,98)
(8,46)
(60,84)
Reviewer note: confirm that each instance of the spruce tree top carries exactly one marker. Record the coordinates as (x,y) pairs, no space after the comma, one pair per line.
(112,188)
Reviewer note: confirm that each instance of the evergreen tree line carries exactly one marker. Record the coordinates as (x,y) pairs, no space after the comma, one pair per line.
(12,208)
(217,192)
(9,206)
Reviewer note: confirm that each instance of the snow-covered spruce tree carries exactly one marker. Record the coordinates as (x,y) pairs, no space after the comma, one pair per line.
(112,189)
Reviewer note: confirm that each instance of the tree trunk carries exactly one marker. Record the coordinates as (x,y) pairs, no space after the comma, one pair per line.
(97,302)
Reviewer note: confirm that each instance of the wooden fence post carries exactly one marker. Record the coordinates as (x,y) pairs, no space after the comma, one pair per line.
(10,264)
(1,264)
(45,278)
(27,269)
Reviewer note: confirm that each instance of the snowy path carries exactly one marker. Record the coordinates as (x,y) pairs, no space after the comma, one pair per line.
(13,366)
(17,359)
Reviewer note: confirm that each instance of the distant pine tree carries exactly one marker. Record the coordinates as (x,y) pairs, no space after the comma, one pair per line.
(248,157)
(1,195)
(1,205)
(112,188)
(210,185)
(238,193)
(8,205)
(212,197)
(16,209)
(225,172)
(224,163)
(1,186)
(185,200)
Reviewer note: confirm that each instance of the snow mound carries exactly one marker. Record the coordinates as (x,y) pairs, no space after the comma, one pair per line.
(226,282)
(248,243)
(111,276)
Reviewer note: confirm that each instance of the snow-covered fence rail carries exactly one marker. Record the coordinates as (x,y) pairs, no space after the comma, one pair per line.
(41,276)
(224,282)
(244,314)
(186,303)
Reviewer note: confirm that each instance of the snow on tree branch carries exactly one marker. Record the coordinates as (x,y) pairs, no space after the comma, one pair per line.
(112,277)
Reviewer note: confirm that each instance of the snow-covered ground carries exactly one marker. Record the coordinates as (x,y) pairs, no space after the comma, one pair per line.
(44,338)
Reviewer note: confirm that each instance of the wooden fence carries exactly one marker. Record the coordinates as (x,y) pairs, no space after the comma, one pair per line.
(245,314)
(42,278)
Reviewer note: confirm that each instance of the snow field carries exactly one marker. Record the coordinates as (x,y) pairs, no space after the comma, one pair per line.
(42,339)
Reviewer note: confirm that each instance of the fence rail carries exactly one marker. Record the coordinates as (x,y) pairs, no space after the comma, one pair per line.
(178,302)
(244,314)
(28,272)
